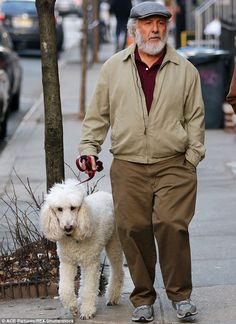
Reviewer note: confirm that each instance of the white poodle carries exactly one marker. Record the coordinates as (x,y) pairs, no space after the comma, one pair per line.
(82,226)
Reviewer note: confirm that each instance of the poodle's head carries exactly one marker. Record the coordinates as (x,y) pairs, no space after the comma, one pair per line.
(64,213)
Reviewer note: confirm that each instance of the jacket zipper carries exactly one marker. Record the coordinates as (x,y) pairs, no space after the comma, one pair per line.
(143,106)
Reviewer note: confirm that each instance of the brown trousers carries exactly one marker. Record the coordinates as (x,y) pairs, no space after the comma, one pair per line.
(155,201)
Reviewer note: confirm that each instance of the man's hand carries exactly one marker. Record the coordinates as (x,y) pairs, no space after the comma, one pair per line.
(86,163)
(89,164)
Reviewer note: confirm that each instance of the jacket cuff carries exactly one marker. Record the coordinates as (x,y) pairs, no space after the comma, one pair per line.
(193,158)
(88,152)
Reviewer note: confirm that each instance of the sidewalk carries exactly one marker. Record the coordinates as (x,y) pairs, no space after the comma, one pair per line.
(212,230)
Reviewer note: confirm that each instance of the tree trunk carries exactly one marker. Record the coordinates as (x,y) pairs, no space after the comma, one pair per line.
(54,151)
(95,31)
(84,62)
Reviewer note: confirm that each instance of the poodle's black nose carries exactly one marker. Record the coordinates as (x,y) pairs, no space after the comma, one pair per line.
(68,228)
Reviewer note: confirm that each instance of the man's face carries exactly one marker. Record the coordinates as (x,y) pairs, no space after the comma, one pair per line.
(151,34)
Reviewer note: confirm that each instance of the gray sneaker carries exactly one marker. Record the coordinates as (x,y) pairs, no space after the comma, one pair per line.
(143,314)
(186,309)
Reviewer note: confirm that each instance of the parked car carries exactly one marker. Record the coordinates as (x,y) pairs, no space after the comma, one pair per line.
(4,96)
(10,78)
(20,18)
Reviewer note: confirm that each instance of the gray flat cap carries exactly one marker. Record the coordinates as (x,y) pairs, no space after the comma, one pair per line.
(149,8)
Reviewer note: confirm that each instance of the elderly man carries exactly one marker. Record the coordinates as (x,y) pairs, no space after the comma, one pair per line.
(151,98)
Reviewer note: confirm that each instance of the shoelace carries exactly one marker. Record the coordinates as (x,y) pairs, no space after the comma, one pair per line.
(143,307)
(184,302)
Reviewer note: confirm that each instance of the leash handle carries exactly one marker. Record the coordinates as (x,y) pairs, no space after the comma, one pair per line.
(88,166)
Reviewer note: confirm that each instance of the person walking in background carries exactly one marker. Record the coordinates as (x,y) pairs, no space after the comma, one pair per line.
(173,9)
(157,140)
(180,21)
(231,96)
(121,9)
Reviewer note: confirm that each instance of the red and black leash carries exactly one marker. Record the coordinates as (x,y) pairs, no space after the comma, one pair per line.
(88,166)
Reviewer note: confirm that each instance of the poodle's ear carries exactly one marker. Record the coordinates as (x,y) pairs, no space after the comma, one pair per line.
(49,223)
(85,223)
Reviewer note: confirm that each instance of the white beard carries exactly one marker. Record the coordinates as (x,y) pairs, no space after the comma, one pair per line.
(148,48)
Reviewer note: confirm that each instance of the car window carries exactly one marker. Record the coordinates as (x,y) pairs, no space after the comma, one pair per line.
(16,8)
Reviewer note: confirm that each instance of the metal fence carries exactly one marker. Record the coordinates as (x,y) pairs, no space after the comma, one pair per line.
(212,10)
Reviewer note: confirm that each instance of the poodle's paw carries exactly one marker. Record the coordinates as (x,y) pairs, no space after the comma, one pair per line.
(87,312)
(109,303)
(113,301)
(74,311)
(86,316)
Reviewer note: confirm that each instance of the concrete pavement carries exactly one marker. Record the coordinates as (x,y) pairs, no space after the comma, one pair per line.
(212,229)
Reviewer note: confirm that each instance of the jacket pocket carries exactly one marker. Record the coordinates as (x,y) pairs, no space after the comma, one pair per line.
(127,138)
(169,140)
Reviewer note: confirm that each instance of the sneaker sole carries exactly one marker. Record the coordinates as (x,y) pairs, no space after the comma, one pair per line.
(188,315)
(142,319)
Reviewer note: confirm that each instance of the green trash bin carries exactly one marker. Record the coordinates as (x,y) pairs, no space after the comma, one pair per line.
(215,68)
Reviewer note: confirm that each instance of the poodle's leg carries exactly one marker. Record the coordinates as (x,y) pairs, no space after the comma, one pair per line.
(89,289)
(67,287)
(116,279)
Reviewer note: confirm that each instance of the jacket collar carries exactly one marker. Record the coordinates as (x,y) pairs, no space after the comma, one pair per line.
(171,54)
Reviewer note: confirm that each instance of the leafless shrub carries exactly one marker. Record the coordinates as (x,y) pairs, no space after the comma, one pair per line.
(25,255)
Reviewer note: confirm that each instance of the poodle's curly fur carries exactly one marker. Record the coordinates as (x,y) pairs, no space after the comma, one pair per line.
(82,226)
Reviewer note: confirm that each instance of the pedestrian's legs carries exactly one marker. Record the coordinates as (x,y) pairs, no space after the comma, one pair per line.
(121,33)
(173,210)
(133,202)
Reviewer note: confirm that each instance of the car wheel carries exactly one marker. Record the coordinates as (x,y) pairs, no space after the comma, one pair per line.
(3,129)
(15,101)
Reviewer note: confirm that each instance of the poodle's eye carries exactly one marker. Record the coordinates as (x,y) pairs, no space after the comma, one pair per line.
(59,209)
(72,208)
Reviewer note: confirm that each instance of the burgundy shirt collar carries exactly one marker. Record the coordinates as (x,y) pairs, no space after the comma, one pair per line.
(147,76)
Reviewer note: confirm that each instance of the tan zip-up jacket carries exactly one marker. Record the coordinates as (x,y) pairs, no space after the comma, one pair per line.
(175,124)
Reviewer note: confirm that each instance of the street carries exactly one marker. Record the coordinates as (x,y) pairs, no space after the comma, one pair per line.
(32,75)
